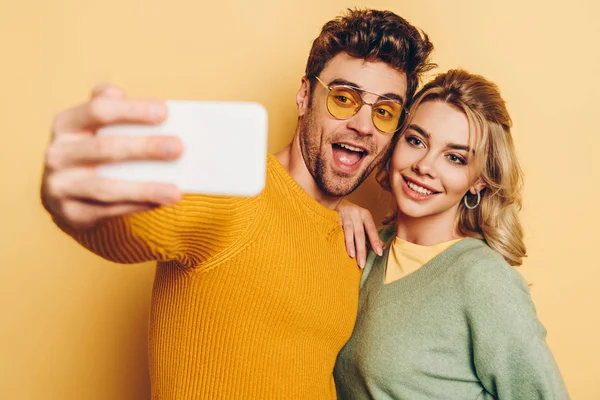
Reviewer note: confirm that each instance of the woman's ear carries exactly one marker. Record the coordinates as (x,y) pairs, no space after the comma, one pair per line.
(302,96)
(477,186)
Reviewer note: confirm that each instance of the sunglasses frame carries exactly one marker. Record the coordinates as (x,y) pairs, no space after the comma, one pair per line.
(363,102)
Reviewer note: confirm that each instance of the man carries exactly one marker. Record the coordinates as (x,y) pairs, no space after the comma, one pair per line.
(253,297)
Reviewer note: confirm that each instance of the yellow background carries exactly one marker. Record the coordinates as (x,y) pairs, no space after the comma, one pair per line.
(74,326)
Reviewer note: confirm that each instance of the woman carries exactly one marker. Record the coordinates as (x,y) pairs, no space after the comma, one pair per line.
(442,313)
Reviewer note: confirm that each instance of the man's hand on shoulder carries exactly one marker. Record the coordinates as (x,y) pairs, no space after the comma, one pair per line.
(357,221)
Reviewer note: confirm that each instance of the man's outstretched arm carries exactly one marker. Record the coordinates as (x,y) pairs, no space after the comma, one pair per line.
(124,221)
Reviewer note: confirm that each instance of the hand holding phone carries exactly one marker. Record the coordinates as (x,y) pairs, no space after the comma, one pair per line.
(224,148)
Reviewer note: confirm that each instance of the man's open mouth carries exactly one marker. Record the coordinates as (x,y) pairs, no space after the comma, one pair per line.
(348,154)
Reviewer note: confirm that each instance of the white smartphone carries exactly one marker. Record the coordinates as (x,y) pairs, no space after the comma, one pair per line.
(224,148)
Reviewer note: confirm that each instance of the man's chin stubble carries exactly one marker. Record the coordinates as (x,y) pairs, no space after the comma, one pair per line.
(329,182)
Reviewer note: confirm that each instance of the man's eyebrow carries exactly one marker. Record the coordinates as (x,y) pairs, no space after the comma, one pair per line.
(389,95)
(427,135)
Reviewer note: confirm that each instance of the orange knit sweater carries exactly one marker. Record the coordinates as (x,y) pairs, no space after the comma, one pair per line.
(253,297)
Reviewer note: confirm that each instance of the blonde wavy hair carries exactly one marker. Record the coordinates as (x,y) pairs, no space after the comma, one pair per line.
(496,219)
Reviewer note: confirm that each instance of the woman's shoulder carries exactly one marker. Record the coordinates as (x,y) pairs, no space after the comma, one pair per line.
(495,293)
(476,263)
(479,266)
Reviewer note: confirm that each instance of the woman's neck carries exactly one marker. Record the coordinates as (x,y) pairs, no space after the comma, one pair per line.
(427,231)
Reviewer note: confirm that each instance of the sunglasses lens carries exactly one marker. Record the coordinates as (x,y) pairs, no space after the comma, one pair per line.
(386,115)
(343,102)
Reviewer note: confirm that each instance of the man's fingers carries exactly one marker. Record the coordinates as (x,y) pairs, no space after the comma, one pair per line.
(75,150)
(84,184)
(360,241)
(82,215)
(100,111)
(349,236)
(107,90)
(372,233)
(124,209)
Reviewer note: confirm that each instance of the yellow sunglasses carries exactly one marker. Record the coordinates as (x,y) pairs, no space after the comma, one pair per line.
(345,101)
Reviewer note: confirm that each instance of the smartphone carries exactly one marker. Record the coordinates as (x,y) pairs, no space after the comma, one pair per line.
(224,148)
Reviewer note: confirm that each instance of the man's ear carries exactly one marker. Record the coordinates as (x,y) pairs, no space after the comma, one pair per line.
(478,186)
(302,96)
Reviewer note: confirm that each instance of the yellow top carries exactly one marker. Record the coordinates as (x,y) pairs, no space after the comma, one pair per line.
(253,297)
(406,257)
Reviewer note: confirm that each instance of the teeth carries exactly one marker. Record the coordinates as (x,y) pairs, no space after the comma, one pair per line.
(351,148)
(418,188)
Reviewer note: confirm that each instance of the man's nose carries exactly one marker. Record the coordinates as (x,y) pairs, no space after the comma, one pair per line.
(362,121)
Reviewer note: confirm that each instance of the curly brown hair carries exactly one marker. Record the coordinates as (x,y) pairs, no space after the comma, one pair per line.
(373,35)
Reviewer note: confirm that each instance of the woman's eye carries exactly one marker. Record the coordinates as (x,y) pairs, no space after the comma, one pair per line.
(414,141)
(456,159)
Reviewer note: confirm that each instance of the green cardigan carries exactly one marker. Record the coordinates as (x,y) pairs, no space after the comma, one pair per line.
(463,326)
